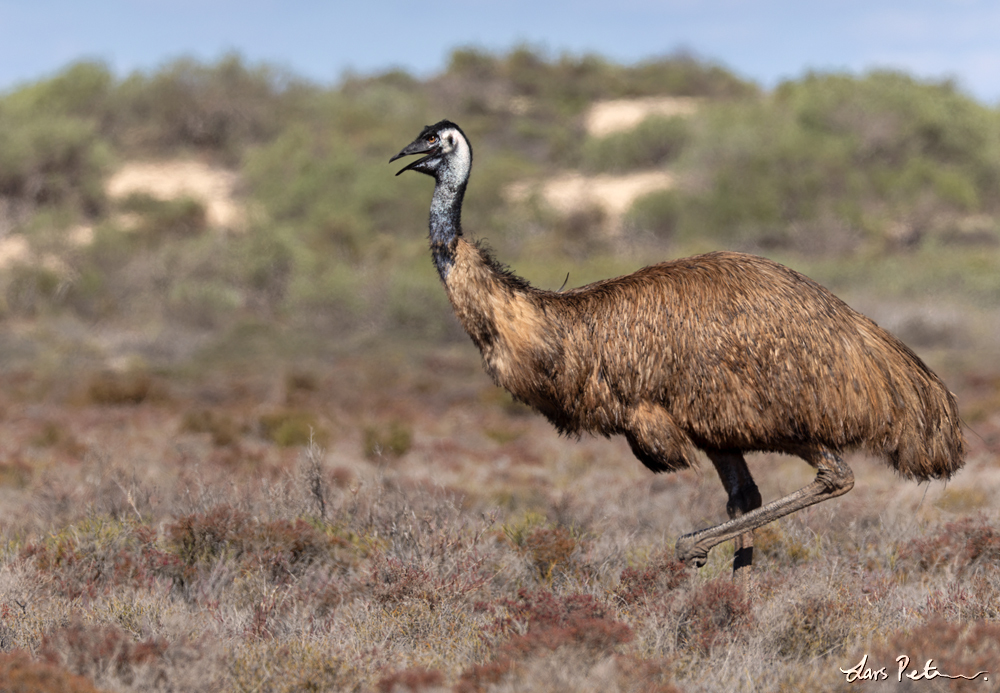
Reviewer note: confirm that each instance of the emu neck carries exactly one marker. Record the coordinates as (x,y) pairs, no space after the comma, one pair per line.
(503,316)
(446,223)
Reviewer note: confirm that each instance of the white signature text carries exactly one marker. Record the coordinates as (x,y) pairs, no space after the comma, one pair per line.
(862,672)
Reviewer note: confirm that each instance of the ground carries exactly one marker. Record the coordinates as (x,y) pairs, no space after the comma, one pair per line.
(385,519)
(171,533)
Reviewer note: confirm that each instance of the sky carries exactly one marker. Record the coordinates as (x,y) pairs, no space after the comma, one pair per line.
(762,40)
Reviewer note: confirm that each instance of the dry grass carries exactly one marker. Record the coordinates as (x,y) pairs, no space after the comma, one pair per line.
(193,539)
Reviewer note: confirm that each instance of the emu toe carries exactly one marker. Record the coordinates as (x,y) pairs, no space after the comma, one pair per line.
(688,551)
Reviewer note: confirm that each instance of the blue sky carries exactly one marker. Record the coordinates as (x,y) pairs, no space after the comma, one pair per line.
(764,40)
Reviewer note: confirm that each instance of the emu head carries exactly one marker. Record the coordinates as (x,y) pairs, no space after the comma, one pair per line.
(448,153)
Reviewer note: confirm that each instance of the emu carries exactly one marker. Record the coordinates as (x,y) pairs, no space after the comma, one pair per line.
(726,352)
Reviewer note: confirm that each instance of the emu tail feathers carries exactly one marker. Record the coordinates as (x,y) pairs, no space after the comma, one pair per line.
(921,437)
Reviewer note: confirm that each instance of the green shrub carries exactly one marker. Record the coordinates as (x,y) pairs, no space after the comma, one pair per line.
(203,303)
(654,142)
(390,440)
(221,426)
(263,263)
(32,288)
(158,219)
(317,182)
(48,159)
(291,427)
(219,108)
(657,213)
(576,81)
(82,90)
(833,154)
(415,304)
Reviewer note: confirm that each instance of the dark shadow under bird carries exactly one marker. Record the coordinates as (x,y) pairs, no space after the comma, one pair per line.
(727,353)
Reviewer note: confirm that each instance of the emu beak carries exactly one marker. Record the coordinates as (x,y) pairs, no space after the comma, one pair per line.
(415,147)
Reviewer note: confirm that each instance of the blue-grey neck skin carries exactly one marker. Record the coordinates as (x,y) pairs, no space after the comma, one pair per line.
(446,205)
(445,225)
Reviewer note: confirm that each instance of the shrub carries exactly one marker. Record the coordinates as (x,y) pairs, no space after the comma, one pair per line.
(831,158)
(639,585)
(781,544)
(393,581)
(32,288)
(81,90)
(572,82)
(48,159)
(219,107)
(715,613)
(549,549)
(301,381)
(97,557)
(19,673)
(412,680)
(391,440)
(976,598)
(960,546)
(105,652)
(654,142)
(207,304)
(518,531)
(648,676)
(657,213)
(291,427)
(965,648)
(818,625)
(298,665)
(547,621)
(539,622)
(287,548)
(128,388)
(581,232)
(15,473)
(159,219)
(313,181)
(204,536)
(223,429)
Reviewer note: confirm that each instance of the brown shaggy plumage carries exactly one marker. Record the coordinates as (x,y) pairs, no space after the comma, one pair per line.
(725,352)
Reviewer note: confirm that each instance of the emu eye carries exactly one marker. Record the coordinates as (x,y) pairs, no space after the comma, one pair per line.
(432,139)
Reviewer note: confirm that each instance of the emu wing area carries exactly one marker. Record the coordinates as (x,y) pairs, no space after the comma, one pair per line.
(744,353)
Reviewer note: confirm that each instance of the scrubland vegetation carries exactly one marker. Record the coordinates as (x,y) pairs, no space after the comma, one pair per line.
(262,456)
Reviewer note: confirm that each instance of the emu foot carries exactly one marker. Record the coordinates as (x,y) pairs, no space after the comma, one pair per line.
(688,551)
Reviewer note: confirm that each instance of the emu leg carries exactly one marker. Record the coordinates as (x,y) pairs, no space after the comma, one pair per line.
(833,478)
(743,497)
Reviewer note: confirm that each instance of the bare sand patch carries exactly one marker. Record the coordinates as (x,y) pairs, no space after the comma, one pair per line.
(13,249)
(613,195)
(213,186)
(606,117)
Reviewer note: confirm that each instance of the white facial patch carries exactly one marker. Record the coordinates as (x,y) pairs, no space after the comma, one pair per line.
(454,144)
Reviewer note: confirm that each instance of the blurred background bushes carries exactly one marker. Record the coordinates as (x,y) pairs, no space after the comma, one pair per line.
(828,168)
(829,161)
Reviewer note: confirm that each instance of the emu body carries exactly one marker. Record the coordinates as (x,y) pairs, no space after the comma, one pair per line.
(725,352)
